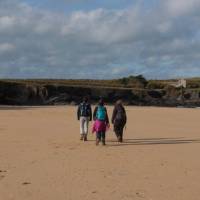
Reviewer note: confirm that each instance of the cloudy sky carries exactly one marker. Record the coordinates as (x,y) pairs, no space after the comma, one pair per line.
(99,38)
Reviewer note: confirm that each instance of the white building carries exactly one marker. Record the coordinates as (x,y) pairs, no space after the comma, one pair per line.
(180,83)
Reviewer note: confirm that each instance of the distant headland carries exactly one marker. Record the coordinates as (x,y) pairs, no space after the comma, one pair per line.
(133,90)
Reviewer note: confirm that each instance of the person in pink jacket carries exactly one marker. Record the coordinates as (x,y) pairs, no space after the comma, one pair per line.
(101,122)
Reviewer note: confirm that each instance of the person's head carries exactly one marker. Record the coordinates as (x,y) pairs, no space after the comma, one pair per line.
(119,102)
(101,101)
(85,99)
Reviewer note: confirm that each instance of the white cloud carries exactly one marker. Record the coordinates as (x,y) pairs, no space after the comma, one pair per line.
(6,22)
(164,27)
(181,7)
(6,48)
(99,43)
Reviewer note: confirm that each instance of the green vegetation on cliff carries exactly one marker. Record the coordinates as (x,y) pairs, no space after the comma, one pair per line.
(134,90)
(138,82)
(126,82)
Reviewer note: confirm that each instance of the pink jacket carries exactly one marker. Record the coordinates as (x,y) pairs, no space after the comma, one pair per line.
(100,126)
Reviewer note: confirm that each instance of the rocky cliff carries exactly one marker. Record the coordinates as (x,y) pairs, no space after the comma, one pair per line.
(13,93)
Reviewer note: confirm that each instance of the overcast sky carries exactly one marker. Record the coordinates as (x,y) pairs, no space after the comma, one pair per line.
(99,38)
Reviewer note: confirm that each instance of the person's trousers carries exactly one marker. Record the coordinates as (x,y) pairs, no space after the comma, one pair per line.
(101,136)
(84,122)
(118,128)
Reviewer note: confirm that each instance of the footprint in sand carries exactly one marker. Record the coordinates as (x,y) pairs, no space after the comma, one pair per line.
(1,177)
(26,183)
(2,172)
(140,194)
(72,148)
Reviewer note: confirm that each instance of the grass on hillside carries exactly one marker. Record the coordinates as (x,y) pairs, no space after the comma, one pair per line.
(127,82)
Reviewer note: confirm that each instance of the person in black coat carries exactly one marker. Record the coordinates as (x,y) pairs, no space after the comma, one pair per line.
(119,120)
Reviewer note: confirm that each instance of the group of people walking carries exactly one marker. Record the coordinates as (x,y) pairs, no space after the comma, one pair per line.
(101,120)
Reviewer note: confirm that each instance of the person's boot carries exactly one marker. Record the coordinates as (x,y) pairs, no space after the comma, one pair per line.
(81,138)
(103,142)
(118,138)
(121,138)
(85,138)
(97,141)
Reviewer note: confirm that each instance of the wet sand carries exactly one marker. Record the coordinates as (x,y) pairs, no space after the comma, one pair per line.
(42,158)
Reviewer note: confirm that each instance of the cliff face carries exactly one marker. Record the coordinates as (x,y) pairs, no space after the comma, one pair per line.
(22,94)
(33,94)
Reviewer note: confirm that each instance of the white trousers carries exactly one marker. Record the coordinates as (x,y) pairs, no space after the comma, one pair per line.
(84,122)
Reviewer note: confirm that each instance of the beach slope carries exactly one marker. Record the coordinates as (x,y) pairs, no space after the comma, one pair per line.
(41,156)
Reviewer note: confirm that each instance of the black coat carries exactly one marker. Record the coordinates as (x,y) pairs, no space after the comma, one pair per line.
(119,115)
(89,113)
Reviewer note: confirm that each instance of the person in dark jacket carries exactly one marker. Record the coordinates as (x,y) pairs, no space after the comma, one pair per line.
(84,114)
(119,120)
(101,122)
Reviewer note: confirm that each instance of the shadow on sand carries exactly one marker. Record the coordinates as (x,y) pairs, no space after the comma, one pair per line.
(153,141)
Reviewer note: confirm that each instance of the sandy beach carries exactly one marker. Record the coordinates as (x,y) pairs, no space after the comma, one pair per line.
(42,158)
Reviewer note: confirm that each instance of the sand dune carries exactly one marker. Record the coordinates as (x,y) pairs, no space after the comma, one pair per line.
(41,157)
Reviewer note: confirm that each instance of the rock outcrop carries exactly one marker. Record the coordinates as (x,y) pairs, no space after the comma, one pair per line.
(12,93)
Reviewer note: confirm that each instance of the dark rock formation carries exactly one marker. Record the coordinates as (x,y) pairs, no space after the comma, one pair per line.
(13,93)
(22,94)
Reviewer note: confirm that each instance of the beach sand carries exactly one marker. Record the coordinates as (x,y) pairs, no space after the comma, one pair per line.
(42,158)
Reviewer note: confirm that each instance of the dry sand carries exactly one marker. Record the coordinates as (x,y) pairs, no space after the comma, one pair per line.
(41,157)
